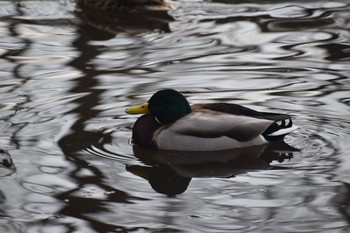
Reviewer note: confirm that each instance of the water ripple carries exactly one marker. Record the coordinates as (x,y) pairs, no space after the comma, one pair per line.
(66,160)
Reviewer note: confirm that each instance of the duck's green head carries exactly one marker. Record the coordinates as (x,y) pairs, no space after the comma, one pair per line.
(166,106)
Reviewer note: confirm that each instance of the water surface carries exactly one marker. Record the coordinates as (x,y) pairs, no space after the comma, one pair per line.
(66,162)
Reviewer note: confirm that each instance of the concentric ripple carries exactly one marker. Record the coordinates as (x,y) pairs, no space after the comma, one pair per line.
(67,74)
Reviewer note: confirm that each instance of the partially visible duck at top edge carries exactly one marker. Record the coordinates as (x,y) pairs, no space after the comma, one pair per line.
(124,4)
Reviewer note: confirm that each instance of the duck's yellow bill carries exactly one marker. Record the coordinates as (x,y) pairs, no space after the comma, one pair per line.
(140,109)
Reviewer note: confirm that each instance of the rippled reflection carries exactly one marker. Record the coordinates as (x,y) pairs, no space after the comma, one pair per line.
(171,172)
(6,162)
(66,164)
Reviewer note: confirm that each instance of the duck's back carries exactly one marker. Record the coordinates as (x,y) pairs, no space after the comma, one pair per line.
(207,130)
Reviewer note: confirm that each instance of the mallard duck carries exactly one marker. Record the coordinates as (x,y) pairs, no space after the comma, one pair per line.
(124,4)
(171,123)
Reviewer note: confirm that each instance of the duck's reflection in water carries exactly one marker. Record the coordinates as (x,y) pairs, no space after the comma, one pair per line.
(170,172)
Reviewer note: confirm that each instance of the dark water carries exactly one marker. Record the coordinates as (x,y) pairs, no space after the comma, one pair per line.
(66,163)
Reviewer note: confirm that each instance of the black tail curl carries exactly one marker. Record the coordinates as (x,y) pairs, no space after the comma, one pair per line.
(276,126)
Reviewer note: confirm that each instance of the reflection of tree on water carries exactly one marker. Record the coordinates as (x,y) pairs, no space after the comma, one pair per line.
(171,172)
(7,168)
(342,201)
(96,25)
(79,139)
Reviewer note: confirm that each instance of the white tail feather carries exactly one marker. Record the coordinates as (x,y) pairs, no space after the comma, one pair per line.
(284,131)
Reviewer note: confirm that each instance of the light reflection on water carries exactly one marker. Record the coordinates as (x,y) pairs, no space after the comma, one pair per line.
(66,164)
